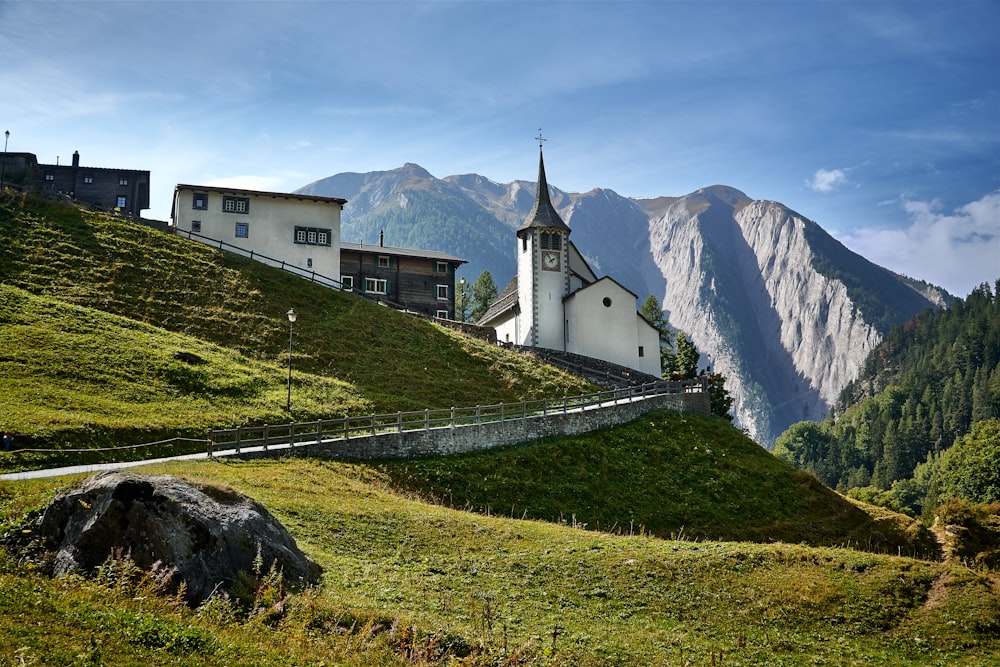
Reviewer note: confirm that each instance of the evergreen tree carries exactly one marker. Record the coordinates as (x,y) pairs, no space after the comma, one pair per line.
(927,385)
(685,358)
(722,402)
(484,292)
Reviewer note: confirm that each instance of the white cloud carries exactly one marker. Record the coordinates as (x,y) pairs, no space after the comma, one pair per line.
(825,180)
(958,250)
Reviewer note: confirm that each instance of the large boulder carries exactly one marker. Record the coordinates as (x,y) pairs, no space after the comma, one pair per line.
(206,534)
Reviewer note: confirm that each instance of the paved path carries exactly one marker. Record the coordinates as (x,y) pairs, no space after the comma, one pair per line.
(98,467)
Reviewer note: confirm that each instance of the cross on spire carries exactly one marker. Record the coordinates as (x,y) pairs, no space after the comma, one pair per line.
(540,138)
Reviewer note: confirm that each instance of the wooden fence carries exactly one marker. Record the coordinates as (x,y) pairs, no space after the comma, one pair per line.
(350,428)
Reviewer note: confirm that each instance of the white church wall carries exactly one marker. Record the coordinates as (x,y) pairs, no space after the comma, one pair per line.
(649,340)
(522,335)
(507,331)
(601,323)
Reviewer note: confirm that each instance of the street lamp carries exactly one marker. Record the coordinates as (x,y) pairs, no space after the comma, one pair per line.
(461,294)
(3,169)
(291,320)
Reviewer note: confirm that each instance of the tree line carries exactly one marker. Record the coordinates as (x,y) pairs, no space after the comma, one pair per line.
(933,382)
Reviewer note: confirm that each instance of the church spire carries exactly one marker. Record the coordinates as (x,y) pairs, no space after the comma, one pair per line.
(543,213)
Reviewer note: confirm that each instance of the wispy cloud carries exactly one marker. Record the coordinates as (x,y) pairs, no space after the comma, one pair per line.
(826,180)
(958,250)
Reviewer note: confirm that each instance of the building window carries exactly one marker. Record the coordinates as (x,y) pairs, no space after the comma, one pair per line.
(550,241)
(347,282)
(383,261)
(441,267)
(442,291)
(443,314)
(607,302)
(313,236)
(376,285)
(309,263)
(88,180)
(242,230)
(200,202)
(120,201)
(123,180)
(50,177)
(641,351)
(196,226)
(235,204)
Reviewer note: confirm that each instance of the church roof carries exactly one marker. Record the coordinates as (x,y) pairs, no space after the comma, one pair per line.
(505,302)
(543,213)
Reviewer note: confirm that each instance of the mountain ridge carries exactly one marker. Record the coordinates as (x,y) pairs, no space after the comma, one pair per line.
(773,301)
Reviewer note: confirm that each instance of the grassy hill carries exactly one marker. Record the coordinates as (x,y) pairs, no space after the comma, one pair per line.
(667,474)
(112,333)
(409,583)
(100,313)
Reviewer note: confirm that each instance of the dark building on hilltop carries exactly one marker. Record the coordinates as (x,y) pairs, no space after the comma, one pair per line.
(124,191)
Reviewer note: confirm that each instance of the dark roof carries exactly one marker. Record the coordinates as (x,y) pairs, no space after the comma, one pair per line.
(401,252)
(503,303)
(543,213)
(258,193)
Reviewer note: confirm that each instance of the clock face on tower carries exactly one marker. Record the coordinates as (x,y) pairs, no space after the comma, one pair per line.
(550,260)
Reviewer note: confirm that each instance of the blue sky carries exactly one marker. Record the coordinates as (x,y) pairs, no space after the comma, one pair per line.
(878,120)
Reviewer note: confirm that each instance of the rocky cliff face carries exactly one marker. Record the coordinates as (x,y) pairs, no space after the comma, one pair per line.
(745,280)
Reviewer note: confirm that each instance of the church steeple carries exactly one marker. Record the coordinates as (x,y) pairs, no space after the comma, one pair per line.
(543,213)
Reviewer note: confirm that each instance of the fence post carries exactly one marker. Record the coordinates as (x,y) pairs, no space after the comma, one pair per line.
(239,433)
(347,428)
(453,416)
(399,422)
(319,431)
(564,403)
(545,407)
(211,444)
(501,412)
(291,435)
(373,424)
(267,430)
(427,419)
(479,415)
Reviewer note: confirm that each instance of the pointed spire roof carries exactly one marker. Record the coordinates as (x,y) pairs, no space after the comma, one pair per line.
(543,213)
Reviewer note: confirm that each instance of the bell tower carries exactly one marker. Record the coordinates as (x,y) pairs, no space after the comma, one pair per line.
(542,269)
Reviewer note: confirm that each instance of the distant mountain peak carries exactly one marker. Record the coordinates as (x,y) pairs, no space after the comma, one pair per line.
(414,169)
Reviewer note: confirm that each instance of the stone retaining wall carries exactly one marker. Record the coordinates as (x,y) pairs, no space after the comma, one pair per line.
(477,437)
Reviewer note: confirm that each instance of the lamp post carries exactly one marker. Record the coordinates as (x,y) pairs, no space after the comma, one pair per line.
(461,295)
(3,169)
(291,320)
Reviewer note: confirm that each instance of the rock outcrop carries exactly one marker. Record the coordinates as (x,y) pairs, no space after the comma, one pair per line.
(205,535)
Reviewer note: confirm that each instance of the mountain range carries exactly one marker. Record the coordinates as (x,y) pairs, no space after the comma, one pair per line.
(772,301)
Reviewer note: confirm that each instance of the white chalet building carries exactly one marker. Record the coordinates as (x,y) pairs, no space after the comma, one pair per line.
(301,231)
(557,302)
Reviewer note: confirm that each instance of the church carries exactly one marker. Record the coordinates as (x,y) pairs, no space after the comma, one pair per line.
(556,301)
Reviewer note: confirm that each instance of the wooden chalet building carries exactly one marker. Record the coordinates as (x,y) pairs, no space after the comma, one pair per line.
(421,281)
